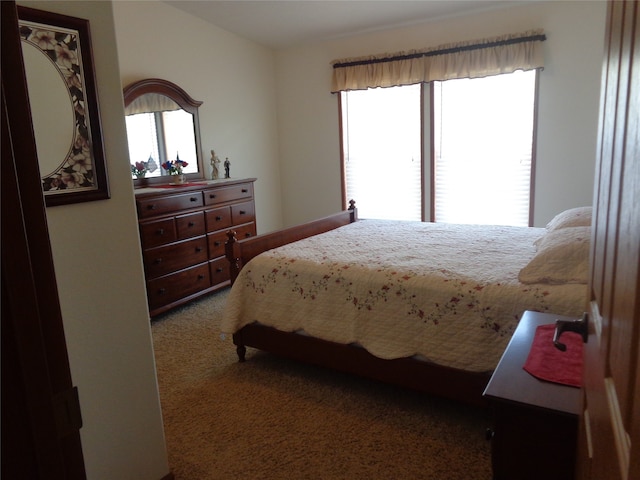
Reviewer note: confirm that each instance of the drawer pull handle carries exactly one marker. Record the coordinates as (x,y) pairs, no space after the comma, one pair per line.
(217,244)
(218,218)
(161,231)
(193,199)
(158,261)
(243,212)
(151,206)
(219,270)
(244,190)
(247,235)
(162,290)
(200,277)
(212,195)
(198,249)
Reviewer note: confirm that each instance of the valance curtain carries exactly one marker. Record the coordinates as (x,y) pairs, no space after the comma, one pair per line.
(479,58)
(151,102)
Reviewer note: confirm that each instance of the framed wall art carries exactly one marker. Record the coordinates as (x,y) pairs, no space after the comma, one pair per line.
(64,106)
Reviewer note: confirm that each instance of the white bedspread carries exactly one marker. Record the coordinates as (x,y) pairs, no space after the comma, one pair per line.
(448,293)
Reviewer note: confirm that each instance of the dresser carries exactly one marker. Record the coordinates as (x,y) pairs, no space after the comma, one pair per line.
(183,233)
(535,423)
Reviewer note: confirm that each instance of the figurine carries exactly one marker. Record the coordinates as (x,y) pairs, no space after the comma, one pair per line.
(227,166)
(215,161)
(152,166)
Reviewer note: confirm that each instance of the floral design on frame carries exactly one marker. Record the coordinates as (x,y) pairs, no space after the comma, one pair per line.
(80,174)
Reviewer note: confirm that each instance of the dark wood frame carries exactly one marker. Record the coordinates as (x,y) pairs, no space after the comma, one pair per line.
(419,375)
(40,426)
(88,100)
(186,102)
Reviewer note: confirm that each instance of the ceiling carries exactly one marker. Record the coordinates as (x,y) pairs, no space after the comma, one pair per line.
(281,24)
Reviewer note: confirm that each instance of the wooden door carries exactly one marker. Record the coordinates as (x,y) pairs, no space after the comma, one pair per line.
(40,409)
(609,444)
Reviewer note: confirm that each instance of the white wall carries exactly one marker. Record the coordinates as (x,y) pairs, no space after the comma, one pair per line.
(232,76)
(100,279)
(568,102)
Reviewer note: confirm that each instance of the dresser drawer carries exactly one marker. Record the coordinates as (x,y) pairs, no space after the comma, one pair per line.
(162,260)
(218,218)
(190,225)
(228,194)
(164,290)
(245,231)
(219,271)
(158,232)
(216,243)
(243,213)
(183,233)
(148,207)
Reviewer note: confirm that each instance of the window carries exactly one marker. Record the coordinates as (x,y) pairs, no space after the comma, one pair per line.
(381,141)
(482,150)
(483,139)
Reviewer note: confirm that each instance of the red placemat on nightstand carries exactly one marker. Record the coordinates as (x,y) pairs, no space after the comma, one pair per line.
(548,363)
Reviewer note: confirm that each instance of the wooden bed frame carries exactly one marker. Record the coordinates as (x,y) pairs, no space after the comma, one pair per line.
(415,374)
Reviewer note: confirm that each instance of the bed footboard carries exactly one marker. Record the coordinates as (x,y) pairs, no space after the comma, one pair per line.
(239,252)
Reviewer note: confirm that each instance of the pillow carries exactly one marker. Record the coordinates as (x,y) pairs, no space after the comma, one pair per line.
(562,257)
(574,217)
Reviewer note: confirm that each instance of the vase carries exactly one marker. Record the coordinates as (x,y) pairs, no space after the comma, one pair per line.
(179,179)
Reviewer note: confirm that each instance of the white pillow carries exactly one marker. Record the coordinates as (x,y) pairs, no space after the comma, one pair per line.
(574,217)
(562,257)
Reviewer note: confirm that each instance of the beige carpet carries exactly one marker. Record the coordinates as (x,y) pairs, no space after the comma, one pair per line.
(271,418)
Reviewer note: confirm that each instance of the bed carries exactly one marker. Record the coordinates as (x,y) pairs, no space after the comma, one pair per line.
(427,306)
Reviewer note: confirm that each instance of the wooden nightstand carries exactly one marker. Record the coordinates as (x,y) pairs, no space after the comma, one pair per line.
(535,422)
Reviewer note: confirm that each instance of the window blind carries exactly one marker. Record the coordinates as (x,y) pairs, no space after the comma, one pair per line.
(382,141)
(483,143)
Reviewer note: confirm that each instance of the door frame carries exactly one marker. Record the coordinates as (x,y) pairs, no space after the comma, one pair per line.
(40,408)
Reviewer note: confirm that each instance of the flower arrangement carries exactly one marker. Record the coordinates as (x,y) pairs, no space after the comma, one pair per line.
(139,169)
(174,167)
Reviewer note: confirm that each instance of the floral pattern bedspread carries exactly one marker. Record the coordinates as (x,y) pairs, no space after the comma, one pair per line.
(447,293)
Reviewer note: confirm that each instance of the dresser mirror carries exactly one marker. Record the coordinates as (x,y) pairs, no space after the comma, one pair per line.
(162,125)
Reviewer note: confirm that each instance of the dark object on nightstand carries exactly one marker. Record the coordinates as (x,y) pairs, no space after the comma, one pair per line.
(579,326)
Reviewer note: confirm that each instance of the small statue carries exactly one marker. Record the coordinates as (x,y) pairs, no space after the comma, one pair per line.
(215,161)
(227,166)
(152,166)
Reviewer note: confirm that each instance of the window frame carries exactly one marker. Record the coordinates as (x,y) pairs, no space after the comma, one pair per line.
(430,153)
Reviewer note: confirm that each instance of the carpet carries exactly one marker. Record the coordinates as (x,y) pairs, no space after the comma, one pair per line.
(272,418)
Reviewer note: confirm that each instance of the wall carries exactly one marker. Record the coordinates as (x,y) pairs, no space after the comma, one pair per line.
(232,76)
(102,294)
(568,102)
